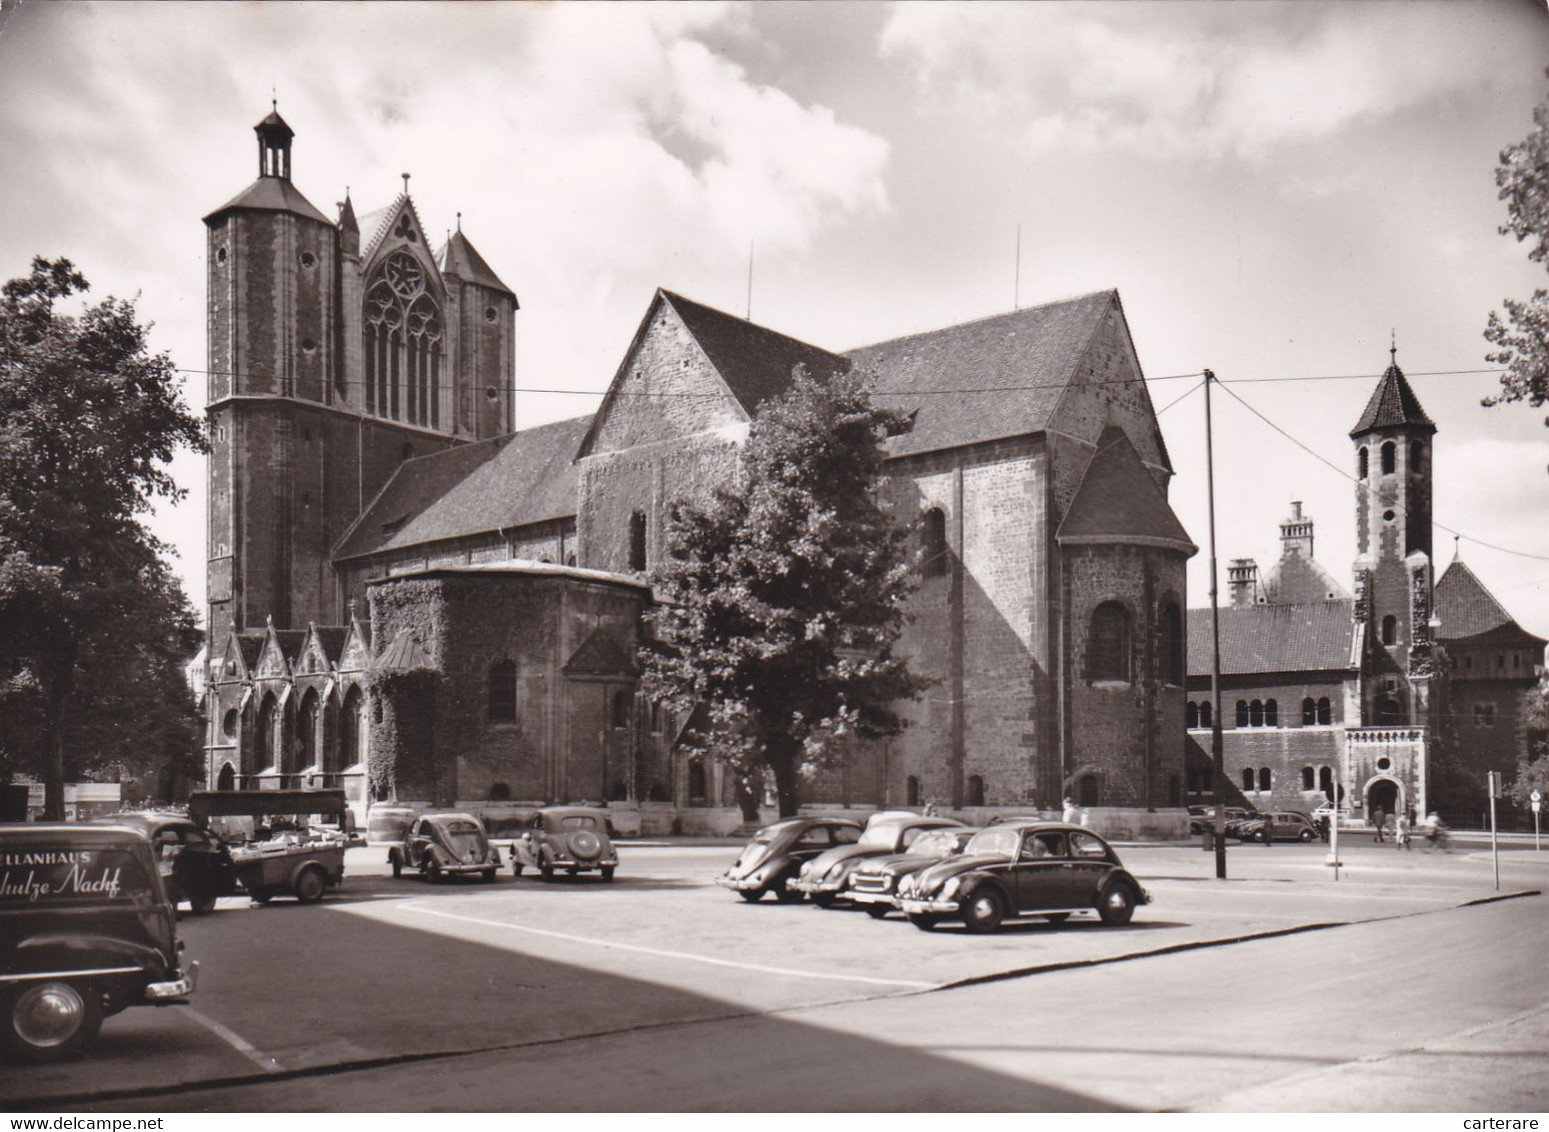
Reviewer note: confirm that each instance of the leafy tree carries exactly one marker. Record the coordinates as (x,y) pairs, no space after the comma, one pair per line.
(92,624)
(781,599)
(1532,765)
(1521,338)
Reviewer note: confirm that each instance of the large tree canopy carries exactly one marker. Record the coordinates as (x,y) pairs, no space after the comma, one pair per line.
(93,626)
(782,599)
(1521,338)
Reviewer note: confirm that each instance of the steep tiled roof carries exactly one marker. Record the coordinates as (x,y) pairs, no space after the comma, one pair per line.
(1026,358)
(290,642)
(1393,404)
(1119,501)
(271,194)
(1466,609)
(251,642)
(459,257)
(1297,578)
(526,477)
(1311,636)
(404,654)
(754,361)
(331,638)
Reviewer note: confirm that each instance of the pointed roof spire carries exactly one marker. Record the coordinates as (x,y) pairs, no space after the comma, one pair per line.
(1393,404)
(347,221)
(460,258)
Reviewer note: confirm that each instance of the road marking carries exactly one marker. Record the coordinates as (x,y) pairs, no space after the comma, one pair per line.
(234,1040)
(415,907)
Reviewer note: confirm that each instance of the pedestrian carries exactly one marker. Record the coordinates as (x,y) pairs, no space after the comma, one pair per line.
(1378,817)
(1401,831)
(1072,811)
(1269,830)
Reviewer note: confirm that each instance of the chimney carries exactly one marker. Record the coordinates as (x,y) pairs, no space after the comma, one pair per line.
(1242,578)
(1296,533)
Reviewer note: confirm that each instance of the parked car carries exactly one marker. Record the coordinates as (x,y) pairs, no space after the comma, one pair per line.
(573,838)
(86,930)
(1047,869)
(824,878)
(1204,817)
(195,865)
(874,882)
(772,860)
(441,846)
(1281,825)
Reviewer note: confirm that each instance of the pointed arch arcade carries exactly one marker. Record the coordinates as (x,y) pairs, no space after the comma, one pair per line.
(403,336)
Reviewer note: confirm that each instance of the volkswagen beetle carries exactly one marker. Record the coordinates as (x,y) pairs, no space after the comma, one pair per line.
(874,882)
(446,845)
(772,860)
(1047,869)
(824,877)
(572,838)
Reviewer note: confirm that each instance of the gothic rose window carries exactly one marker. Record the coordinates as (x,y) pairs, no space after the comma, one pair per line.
(403,331)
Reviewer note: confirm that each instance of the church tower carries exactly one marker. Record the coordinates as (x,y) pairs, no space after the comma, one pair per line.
(1393,567)
(337,350)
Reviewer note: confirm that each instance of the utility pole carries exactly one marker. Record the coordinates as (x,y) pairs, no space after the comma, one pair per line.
(1217,757)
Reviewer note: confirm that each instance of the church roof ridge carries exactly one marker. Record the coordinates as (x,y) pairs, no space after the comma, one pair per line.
(983,320)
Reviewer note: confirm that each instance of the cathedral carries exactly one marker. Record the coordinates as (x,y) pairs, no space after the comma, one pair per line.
(413,601)
(1398,697)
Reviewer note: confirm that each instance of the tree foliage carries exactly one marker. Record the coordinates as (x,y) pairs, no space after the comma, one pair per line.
(1533,763)
(94,628)
(1521,337)
(783,597)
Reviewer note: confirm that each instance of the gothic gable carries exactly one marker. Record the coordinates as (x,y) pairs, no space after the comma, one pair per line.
(395,229)
(601,654)
(355,653)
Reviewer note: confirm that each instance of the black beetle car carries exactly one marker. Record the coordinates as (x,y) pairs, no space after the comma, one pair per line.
(1047,869)
(774,857)
(874,882)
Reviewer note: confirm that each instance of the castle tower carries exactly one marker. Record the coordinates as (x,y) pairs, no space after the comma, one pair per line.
(1393,571)
(333,358)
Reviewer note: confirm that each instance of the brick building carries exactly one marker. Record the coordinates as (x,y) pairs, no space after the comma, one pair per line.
(363,458)
(1367,695)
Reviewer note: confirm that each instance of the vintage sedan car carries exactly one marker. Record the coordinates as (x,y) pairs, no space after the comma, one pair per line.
(1202,818)
(772,860)
(195,865)
(442,846)
(572,838)
(1281,825)
(86,930)
(1046,869)
(874,882)
(824,878)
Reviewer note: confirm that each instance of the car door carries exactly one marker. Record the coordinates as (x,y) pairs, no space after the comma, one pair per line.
(1089,865)
(1042,871)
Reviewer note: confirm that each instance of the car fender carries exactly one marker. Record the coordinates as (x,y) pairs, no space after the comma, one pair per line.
(395,856)
(1119,876)
(974,879)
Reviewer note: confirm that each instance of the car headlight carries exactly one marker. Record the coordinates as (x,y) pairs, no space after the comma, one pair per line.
(949,890)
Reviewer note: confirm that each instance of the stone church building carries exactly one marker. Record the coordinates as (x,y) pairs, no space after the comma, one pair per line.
(1397,697)
(411,600)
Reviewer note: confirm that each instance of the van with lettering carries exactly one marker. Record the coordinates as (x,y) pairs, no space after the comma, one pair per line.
(86,930)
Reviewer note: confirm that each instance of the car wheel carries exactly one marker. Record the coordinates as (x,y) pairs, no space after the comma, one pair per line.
(203,904)
(546,870)
(1308,835)
(1117,904)
(1263,835)
(430,869)
(984,911)
(751,895)
(488,876)
(925,921)
(785,894)
(516,868)
(1057,917)
(311,885)
(823,899)
(607,874)
(877,911)
(397,869)
(51,1021)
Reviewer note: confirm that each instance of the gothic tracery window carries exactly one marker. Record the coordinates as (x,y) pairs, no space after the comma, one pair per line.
(403,332)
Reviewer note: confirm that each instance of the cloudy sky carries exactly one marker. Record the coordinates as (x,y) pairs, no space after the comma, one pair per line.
(1273,188)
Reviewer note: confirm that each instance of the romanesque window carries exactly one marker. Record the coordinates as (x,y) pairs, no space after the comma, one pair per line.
(1170,646)
(1242,713)
(696,783)
(1266,779)
(1309,778)
(975,790)
(1110,642)
(402,331)
(1484,715)
(1325,713)
(1271,713)
(623,700)
(933,562)
(1363,463)
(1086,789)
(1256,714)
(1204,713)
(912,791)
(1247,779)
(1389,629)
(1191,715)
(1309,713)
(1389,452)
(1416,457)
(637,540)
(502,692)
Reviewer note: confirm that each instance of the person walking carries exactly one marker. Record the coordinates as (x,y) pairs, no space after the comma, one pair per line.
(1072,812)
(1378,818)
(1401,831)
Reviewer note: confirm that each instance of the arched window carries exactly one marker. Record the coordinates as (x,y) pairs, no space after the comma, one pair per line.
(229,724)
(1087,792)
(1170,646)
(1309,712)
(1247,779)
(1309,778)
(1110,642)
(306,730)
(1325,715)
(1389,451)
(637,541)
(1256,714)
(1363,462)
(975,790)
(500,792)
(1265,780)
(1242,713)
(1416,457)
(227,779)
(911,791)
(1204,714)
(1191,715)
(350,720)
(1326,782)
(622,701)
(933,554)
(1271,713)
(402,333)
(1389,629)
(696,783)
(502,692)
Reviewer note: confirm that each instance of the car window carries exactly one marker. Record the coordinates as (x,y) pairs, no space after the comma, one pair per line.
(995,842)
(60,874)
(461,827)
(912,835)
(579,821)
(1085,845)
(845,835)
(817,836)
(1045,845)
(880,836)
(935,843)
